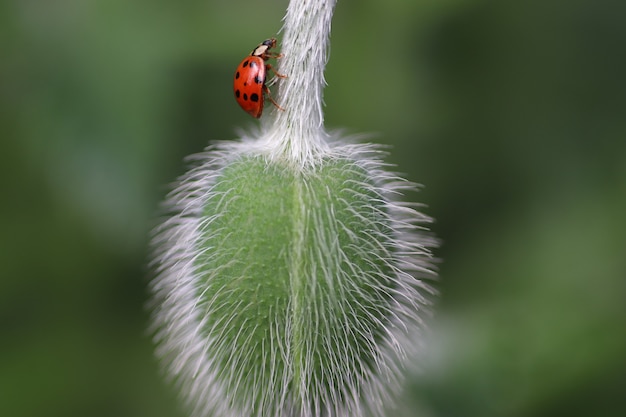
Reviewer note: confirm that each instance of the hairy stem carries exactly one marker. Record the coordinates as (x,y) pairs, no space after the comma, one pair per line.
(299,129)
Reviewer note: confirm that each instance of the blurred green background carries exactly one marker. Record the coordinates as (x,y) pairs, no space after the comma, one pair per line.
(513,115)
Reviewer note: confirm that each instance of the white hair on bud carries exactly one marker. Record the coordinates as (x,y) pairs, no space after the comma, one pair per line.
(178,325)
(296,140)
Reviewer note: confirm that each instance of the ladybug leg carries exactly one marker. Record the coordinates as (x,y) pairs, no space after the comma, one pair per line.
(268,67)
(269,97)
(269,55)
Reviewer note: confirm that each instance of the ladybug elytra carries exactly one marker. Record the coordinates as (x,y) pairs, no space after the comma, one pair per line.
(249,85)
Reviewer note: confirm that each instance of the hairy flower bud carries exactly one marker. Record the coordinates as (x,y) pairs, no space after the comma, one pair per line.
(290,278)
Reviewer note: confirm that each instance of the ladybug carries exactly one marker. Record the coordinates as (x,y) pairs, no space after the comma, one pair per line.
(249,85)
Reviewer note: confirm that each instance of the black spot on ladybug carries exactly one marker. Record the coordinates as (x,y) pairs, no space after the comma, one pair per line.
(254,97)
(237,93)
(245,63)
(245,96)
(237,75)
(258,80)
(245,83)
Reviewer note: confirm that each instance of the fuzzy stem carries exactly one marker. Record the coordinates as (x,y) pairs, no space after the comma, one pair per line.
(299,129)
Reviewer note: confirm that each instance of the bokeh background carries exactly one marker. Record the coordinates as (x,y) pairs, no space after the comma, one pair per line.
(512,114)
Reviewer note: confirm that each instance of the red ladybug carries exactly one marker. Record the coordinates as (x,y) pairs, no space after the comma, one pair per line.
(250,78)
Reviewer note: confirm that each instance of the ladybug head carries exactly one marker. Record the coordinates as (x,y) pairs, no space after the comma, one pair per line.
(270,43)
(263,47)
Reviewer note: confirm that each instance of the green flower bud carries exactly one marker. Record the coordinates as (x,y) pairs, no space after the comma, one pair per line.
(291,281)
